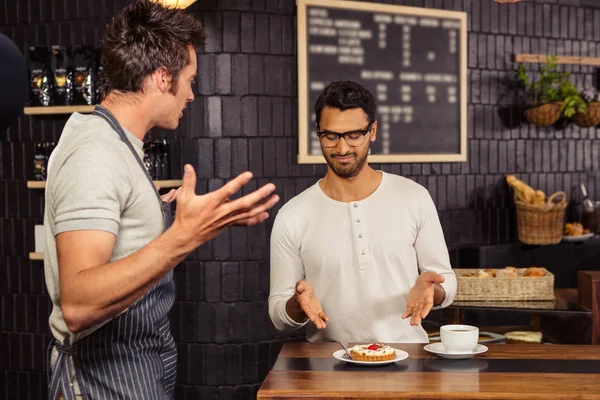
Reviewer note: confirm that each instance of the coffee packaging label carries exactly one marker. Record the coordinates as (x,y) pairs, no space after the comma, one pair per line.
(41,80)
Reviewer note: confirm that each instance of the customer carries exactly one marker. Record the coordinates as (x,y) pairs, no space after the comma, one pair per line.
(362,250)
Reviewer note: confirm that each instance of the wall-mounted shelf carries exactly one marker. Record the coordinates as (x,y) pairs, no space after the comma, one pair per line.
(36,256)
(541,58)
(166,184)
(58,110)
(173,183)
(36,184)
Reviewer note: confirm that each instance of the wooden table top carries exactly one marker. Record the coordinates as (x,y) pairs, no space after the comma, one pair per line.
(505,371)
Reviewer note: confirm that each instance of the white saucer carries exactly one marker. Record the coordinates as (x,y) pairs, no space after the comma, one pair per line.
(400,355)
(440,350)
(578,238)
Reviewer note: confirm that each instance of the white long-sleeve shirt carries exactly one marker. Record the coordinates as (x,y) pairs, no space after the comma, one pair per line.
(362,258)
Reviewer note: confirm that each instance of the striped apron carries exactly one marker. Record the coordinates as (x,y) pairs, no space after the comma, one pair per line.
(133,356)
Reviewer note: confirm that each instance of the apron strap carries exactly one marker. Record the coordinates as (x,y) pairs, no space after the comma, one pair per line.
(59,380)
(106,115)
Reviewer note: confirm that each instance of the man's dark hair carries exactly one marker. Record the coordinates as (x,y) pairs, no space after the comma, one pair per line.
(142,38)
(345,95)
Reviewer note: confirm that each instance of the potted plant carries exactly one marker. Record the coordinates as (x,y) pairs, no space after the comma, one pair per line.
(573,103)
(590,116)
(544,94)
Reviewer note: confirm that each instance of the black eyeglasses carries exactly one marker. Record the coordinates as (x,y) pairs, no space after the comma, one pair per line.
(353,138)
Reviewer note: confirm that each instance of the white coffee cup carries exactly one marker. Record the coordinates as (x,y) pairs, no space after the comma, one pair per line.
(459,338)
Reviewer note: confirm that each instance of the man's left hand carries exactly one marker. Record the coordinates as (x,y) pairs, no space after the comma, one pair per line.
(420,298)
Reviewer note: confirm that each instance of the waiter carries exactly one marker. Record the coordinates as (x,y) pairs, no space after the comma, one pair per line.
(111,244)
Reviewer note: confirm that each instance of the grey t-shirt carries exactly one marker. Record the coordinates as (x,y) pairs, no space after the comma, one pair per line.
(95,183)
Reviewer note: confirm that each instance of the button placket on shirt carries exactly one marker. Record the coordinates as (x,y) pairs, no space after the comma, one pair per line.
(360,237)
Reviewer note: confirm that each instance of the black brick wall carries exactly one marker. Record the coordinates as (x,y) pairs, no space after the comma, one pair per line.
(245,117)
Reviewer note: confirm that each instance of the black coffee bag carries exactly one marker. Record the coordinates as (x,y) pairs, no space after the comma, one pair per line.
(60,60)
(41,79)
(85,75)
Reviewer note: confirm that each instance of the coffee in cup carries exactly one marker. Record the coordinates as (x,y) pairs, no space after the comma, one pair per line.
(459,338)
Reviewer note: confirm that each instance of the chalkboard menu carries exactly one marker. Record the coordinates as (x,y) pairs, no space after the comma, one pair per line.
(413,60)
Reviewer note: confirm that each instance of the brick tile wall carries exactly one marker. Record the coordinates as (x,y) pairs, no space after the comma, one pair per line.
(245,117)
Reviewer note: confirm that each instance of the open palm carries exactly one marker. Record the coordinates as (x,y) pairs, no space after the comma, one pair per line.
(310,304)
(420,297)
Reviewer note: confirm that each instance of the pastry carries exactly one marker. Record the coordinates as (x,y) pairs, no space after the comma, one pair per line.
(372,352)
(575,229)
(540,197)
(534,272)
(507,273)
(523,337)
(524,192)
(491,272)
(483,274)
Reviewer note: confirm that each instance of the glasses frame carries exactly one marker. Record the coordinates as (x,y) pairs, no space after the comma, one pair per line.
(343,135)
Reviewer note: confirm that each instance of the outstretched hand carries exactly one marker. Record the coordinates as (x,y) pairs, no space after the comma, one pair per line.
(420,298)
(202,217)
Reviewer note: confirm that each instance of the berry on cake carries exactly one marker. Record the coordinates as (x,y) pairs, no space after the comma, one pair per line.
(372,352)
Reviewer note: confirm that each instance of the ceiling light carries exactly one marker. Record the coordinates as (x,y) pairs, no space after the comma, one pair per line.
(176,3)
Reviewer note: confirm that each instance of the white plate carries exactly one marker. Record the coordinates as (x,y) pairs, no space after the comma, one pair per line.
(440,350)
(579,238)
(494,338)
(400,355)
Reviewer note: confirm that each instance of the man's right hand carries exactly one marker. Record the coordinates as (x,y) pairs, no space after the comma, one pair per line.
(199,218)
(309,304)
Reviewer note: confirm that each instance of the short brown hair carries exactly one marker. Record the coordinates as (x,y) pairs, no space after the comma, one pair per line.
(345,95)
(142,38)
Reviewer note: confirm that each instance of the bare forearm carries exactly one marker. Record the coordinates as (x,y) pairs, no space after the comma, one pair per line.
(438,294)
(99,293)
(294,310)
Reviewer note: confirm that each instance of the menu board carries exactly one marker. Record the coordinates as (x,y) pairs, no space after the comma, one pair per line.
(414,62)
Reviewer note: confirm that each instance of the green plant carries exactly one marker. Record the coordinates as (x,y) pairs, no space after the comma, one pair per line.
(573,101)
(547,88)
(552,86)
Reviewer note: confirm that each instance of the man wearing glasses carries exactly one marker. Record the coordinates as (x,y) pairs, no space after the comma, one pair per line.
(361,254)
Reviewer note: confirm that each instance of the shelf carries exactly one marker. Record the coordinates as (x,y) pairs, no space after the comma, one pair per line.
(58,110)
(172,183)
(541,58)
(36,184)
(566,301)
(36,256)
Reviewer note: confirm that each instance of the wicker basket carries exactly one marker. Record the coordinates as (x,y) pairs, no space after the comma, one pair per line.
(472,288)
(590,118)
(544,115)
(541,224)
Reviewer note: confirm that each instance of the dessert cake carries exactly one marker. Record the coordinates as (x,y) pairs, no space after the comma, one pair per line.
(372,352)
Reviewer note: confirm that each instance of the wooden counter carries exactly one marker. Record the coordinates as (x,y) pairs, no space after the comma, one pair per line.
(308,370)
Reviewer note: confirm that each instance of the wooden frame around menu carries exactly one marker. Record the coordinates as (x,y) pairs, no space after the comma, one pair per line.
(303,155)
